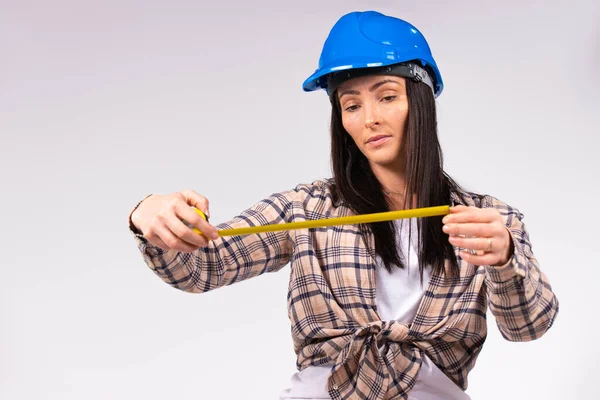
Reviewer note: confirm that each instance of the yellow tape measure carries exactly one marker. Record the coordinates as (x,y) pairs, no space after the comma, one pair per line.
(321,223)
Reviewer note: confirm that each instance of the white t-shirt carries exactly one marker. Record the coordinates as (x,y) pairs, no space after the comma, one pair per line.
(398,296)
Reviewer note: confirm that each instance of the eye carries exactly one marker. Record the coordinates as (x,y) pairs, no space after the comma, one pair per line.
(351,108)
(388,99)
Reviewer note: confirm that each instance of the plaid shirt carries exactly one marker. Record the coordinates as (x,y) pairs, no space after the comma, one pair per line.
(331,298)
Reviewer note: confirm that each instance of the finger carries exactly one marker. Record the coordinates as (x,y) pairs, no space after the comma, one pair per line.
(156,241)
(197,200)
(479,243)
(483,259)
(173,242)
(193,218)
(470,229)
(184,232)
(459,214)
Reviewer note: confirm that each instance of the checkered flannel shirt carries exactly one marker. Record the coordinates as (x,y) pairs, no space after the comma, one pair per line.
(331,298)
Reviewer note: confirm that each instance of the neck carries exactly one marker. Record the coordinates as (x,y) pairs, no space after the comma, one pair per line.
(393,181)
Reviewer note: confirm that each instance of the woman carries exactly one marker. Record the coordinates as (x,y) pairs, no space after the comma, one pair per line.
(384,310)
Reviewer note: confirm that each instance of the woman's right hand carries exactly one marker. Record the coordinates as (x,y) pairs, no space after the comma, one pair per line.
(159,218)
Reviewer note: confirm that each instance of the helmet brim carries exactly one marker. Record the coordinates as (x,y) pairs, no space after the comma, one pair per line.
(318,80)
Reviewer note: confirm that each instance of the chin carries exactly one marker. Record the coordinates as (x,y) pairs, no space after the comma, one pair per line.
(384,159)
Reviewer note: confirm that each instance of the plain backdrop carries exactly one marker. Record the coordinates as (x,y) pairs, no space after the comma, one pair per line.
(104,102)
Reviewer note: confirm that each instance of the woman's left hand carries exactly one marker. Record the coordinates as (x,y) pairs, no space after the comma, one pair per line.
(481,231)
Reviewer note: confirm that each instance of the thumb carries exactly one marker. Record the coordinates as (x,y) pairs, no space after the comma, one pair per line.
(458,208)
(196,200)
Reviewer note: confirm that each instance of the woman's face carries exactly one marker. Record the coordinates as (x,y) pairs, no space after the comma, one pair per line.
(374,112)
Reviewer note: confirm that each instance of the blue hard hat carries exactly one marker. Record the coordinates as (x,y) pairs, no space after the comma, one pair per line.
(370,40)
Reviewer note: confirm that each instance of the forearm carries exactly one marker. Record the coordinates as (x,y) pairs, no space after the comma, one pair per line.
(519,294)
(188,272)
(225,260)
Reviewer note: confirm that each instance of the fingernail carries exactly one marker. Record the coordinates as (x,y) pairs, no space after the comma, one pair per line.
(445,228)
(215,235)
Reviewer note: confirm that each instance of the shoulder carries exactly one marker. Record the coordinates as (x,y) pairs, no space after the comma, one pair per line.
(318,188)
(315,192)
(321,191)
(319,197)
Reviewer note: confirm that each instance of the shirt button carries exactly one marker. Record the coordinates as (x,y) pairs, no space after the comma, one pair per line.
(335,387)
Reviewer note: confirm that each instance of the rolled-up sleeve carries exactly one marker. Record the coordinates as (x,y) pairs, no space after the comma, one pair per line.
(229,259)
(519,294)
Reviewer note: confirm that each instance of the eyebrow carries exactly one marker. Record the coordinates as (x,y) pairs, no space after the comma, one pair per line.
(371,89)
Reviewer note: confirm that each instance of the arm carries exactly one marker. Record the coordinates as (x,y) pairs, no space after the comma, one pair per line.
(226,260)
(519,294)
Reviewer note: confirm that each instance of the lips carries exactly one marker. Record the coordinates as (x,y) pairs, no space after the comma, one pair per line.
(377,139)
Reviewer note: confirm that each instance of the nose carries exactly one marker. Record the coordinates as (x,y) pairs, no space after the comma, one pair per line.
(372,119)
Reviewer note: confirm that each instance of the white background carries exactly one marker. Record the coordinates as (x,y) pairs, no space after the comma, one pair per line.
(104,102)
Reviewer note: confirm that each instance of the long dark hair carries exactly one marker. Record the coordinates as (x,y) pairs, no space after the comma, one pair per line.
(357,186)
